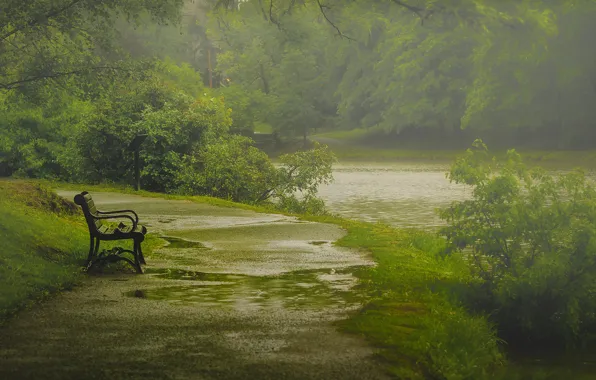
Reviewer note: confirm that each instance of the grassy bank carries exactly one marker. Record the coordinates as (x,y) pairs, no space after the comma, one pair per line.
(43,245)
(45,242)
(362,146)
(413,315)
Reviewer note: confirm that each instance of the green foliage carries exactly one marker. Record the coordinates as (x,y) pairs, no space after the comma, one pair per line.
(33,136)
(509,70)
(248,106)
(458,345)
(65,41)
(231,169)
(177,125)
(530,237)
(281,72)
(188,150)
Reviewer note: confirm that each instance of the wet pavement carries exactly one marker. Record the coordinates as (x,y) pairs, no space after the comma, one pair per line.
(232,294)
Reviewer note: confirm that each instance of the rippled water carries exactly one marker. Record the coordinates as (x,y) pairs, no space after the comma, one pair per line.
(401,194)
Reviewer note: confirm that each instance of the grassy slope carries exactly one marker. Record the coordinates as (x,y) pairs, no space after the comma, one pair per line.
(42,245)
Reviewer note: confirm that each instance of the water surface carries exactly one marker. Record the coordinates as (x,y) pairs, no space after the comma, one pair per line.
(400,194)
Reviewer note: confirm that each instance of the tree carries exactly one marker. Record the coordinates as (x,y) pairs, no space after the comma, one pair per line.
(284,68)
(56,40)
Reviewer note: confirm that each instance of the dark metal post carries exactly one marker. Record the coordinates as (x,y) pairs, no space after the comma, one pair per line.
(135,146)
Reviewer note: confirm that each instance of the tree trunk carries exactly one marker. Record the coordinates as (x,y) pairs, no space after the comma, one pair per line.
(304,136)
(263,78)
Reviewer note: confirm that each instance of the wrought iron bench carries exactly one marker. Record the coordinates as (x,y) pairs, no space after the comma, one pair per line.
(99,230)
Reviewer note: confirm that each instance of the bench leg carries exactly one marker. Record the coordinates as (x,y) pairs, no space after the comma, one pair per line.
(137,254)
(141,257)
(93,249)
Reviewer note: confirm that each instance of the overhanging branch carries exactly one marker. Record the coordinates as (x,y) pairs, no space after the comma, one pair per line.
(339,32)
(58,74)
(271,18)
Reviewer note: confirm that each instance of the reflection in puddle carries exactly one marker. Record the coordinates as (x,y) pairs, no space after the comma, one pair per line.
(175,242)
(288,291)
(180,274)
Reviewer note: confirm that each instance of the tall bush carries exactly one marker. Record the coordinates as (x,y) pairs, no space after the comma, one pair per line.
(178,126)
(530,237)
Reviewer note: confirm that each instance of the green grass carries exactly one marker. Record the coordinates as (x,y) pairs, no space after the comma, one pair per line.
(347,153)
(42,245)
(263,128)
(412,315)
(353,135)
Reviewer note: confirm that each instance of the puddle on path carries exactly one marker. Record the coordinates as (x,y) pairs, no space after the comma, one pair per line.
(174,242)
(298,290)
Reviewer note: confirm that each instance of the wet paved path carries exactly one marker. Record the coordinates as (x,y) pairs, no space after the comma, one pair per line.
(235,295)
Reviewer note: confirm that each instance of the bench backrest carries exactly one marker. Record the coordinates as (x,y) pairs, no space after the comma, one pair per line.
(86,202)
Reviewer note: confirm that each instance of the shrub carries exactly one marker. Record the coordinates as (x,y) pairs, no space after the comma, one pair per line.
(232,168)
(178,127)
(531,239)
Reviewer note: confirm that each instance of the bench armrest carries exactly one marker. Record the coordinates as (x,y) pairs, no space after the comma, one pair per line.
(120,216)
(120,212)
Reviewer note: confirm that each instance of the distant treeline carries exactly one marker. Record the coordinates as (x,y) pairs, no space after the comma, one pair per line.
(513,73)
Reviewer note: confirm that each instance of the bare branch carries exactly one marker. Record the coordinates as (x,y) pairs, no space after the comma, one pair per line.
(339,32)
(271,18)
(417,10)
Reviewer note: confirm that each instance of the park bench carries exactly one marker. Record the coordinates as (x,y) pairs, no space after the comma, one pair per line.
(100,229)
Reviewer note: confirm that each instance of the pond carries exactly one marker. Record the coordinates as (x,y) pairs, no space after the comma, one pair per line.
(400,194)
